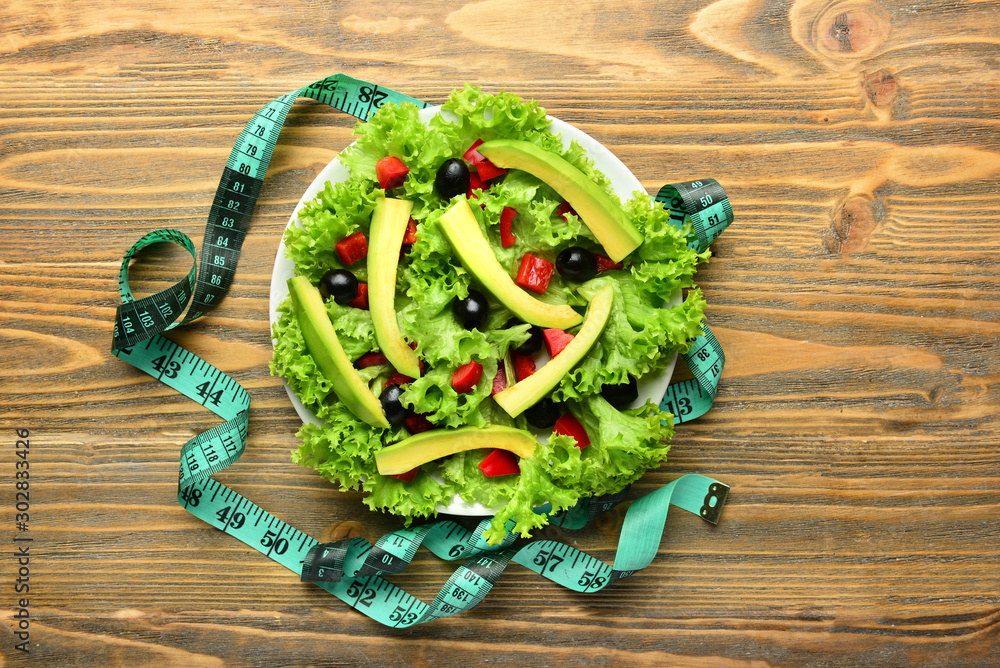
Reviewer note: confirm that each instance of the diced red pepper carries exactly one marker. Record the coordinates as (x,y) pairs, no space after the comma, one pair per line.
(408,476)
(556,340)
(391,172)
(352,248)
(472,155)
(398,379)
(499,462)
(475,183)
(499,380)
(524,366)
(370,359)
(411,232)
(534,273)
(361,301)
(416,423)
(486,169)
(467,376)
(570,426)
(566,208)
(604,263)
(507,238)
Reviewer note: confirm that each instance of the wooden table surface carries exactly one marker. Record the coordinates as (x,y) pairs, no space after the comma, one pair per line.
(857,297)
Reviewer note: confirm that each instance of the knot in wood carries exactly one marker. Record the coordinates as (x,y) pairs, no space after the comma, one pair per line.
(846,31)
(854,222)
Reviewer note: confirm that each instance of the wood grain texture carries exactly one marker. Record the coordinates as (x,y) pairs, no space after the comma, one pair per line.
(857,297)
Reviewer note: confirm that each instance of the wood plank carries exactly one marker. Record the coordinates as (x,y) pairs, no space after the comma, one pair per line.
(856,295)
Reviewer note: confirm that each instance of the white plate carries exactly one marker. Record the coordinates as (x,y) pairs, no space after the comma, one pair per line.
(624,184)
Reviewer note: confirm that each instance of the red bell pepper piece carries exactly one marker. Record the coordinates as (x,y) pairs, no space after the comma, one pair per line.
(499,462)
(472,155)
(370,359)
(486,169)
(352,248)
(507,238)
(361,301)
(604,263)
(410,236)
(475,183)
(391,172)
(398,379)
(499,380)
(408,476)
(566,208)
(570,426)
(416,423)
(467,376)
(556,340)
(534,273)
(524,366)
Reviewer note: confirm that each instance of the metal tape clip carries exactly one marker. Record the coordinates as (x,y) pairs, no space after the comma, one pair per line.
(714,500)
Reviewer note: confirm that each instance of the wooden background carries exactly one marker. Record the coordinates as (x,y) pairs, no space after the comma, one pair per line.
(857,297)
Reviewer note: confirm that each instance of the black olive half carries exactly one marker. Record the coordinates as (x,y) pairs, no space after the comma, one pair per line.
(576,264)
(472,311)
(395,411)
(535,338)
(620,396)
(452,178)
(340,284)
(543,414)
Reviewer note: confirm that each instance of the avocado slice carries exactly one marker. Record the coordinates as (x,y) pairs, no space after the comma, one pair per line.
(324,346)
(463,232)
(522,395)
(430,445)
(599,212)
(386,233)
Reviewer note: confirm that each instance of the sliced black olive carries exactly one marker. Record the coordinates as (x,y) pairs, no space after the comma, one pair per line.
(472,311)
(543,414)
(395,411)
(620,396)
(340,284)
(576,264)
(452,178)
(535,339)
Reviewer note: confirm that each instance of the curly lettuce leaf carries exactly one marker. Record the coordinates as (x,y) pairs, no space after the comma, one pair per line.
(638,339)
(339,210)
(410,500)
(342,450)
(623,446)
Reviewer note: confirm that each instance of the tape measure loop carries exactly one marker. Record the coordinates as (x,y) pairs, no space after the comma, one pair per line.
(351,569)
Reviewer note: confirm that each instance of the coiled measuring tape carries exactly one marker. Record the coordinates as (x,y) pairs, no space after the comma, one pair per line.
(351,570)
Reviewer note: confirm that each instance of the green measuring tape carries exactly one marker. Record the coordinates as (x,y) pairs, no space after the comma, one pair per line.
(351,570)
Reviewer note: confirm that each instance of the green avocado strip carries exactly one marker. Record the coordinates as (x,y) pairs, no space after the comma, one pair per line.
(324,346)
(430,445)
(524,394)
(466,237)
(387,230)
(598,210)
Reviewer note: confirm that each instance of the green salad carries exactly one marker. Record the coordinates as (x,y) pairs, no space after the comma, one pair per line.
(640,337)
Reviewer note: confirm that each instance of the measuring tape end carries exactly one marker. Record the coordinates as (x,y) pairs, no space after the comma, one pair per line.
(715,498)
